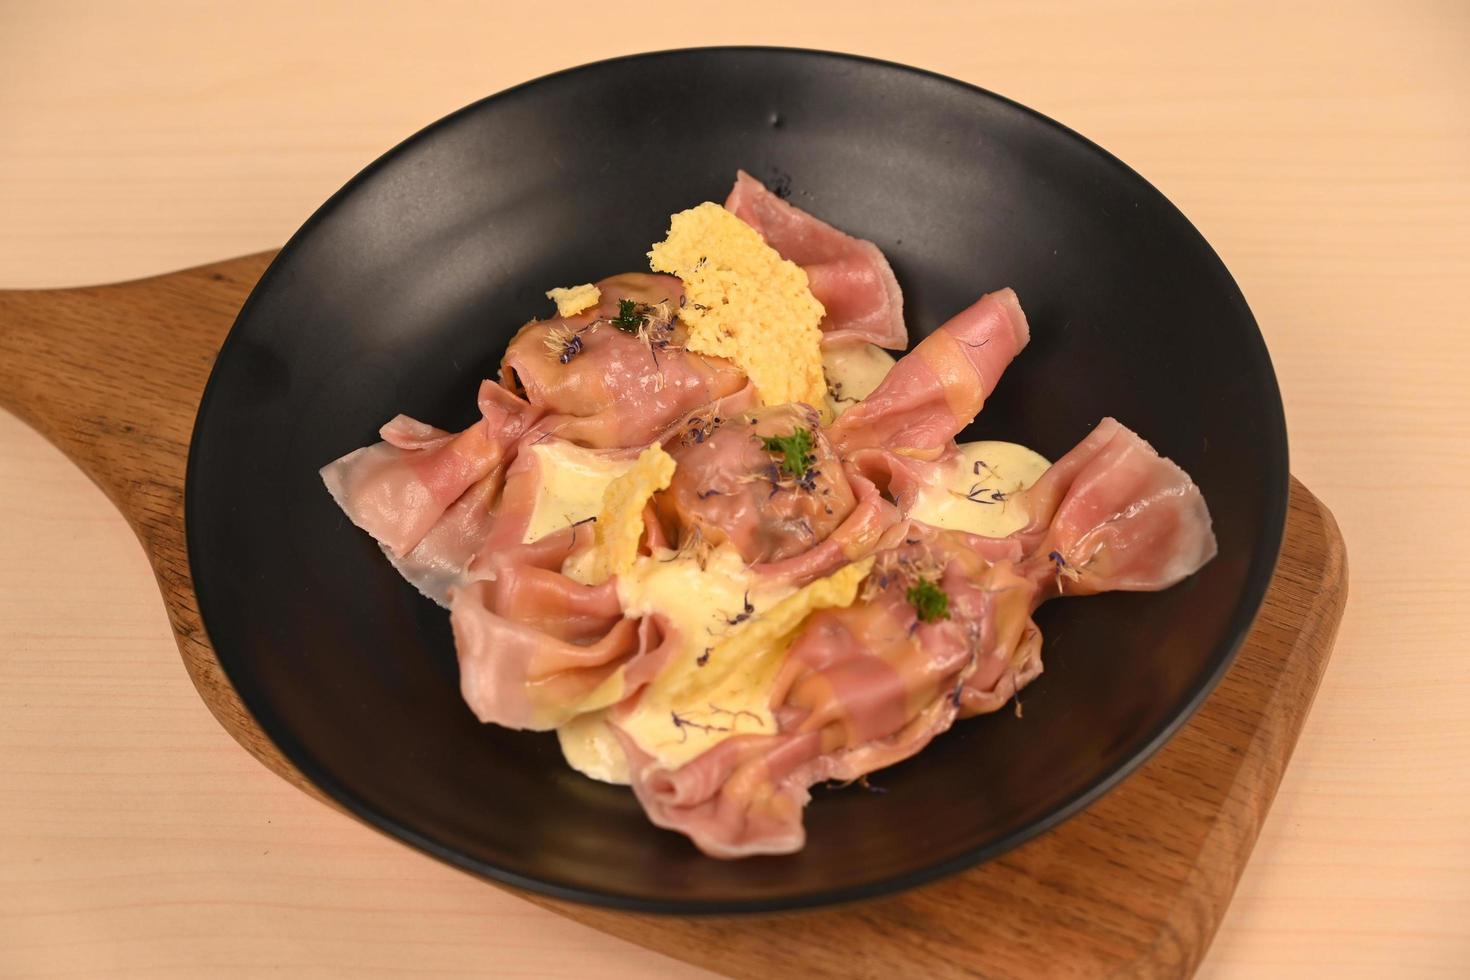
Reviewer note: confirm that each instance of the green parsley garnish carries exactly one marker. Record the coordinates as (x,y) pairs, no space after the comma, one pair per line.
(929,601)
(795,451)
(629,318)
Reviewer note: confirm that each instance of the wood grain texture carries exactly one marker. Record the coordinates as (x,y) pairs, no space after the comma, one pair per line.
(105,374)
(1136,885)
(1322,147)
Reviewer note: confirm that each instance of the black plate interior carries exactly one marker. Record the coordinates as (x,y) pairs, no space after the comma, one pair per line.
(401,292)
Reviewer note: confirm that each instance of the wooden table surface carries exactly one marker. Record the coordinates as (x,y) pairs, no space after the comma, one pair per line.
(1324,149)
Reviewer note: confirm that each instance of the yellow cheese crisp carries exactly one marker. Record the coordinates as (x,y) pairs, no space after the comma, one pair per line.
(768,632)
(571,300)
(746,303)
(620,524)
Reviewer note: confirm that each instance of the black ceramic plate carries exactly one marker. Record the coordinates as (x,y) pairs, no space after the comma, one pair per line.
(401,292)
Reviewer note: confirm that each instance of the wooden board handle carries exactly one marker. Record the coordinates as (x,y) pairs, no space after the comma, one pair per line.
(112,375)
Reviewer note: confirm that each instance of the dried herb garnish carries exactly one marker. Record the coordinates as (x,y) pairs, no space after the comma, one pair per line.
(700,428)
(630,318)
(981,494)
(563,343)
(745,613)
(930,602)
(684,724)
(795,451)
(694,545)
(1072,570)
(650,323)
(734,715)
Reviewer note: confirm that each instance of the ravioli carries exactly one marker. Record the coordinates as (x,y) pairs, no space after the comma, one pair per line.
(727,548)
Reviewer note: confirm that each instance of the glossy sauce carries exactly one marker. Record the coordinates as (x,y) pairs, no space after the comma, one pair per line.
(853,371)
(572,482)
(975,491)
(717,700)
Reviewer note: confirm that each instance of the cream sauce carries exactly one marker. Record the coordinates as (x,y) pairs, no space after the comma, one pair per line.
(572,483)
(853,371)
(591,748)
(711,700)
(975,491)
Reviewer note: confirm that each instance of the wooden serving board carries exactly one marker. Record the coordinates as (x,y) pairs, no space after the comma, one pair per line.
(1135,885)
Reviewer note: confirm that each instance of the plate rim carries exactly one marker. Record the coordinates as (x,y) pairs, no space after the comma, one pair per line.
(1248,607)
